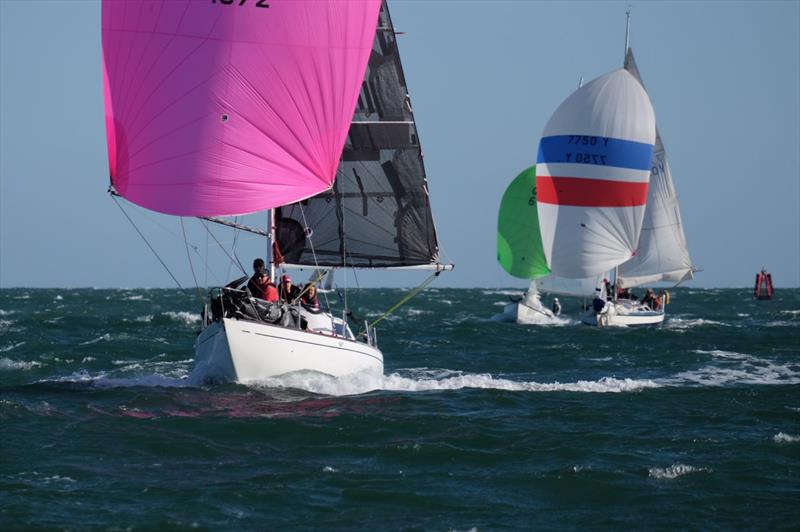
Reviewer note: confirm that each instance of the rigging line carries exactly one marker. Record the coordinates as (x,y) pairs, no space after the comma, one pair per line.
(405,299)
(189,258)
(233,247)
(146,242)
(313,254)
(234,261)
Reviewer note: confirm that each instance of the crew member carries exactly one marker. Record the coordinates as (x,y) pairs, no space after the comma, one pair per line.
(287,291)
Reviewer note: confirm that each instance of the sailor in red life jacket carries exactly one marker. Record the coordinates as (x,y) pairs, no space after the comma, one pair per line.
(268,290)
(309,299)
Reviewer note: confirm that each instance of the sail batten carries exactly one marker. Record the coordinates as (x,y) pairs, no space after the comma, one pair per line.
(216,109)
(377,214)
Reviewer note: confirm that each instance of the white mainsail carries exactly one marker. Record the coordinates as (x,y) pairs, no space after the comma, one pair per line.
(662,254)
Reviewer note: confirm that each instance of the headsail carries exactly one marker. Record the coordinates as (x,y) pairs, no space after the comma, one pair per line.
(221,108)
(378,212)
(570,287)
(519,243)
(662,254)
(592,174)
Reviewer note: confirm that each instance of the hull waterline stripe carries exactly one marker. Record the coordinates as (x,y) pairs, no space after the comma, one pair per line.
(579,192)
(595,150)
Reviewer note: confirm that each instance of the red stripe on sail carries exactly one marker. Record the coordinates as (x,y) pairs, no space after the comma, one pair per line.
(581,192)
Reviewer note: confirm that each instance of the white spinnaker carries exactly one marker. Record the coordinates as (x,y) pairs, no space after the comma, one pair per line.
(662,254)
(583,237)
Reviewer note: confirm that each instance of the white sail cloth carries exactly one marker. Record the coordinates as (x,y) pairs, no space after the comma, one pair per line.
(662,254)
(592,173)
(568,287)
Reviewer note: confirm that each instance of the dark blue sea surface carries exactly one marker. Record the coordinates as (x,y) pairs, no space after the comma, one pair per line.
(477,423)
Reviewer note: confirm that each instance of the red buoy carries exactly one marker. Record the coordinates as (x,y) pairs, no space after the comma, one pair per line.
(763,288)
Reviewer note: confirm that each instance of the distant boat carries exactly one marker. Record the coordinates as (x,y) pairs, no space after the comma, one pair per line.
(520,253)
(519,247)
(662,253)
(593,169)
(623,219)
(763,289)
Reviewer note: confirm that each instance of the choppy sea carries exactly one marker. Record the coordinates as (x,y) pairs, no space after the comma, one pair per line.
(477,423)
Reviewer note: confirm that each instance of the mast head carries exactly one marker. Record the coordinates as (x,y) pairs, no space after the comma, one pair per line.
(627,29)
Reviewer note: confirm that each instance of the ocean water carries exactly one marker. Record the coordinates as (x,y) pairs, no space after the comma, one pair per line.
(477,424)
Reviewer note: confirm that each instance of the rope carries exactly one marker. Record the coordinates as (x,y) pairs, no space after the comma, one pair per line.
(408,296)
(189,258)
(146,242)
(233,261)
(233,248)
(316,262)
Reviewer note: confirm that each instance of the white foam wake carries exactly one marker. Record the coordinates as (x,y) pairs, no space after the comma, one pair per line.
(102,380)
(782,437)
(738,368)
(184,317)
(675,471)
(443,380)
(684,323)
(8,364)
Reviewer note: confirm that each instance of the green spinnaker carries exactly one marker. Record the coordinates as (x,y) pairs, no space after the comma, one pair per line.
(519,242)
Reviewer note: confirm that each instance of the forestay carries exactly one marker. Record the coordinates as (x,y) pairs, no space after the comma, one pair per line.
(220,108)
(662,254)
(593,168)
(378,213)
(519,243)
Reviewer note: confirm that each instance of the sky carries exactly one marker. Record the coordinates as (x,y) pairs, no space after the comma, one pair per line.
(484,77)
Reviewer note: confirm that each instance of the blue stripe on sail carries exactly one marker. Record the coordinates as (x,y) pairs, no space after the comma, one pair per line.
(603,151)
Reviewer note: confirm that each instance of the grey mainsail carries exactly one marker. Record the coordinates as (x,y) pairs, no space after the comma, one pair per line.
(378,212)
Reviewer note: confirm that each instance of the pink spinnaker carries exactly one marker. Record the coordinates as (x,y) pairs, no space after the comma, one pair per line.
(220,109)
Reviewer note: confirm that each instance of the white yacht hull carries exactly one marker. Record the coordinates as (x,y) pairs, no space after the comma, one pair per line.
(623,315)
(525,314)
(232,350)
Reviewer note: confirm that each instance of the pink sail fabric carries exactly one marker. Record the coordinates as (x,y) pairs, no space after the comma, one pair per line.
(220,107)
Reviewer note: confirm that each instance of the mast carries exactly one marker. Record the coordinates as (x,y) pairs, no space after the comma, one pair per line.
(627,32)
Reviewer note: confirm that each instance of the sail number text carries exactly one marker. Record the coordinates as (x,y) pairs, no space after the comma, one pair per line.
(257,3)
(587,140)
(587,158)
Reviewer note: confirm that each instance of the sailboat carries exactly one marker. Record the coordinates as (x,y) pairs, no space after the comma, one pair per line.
(519,246)
(219,109)
(519,249)
(662,254)
(593,168)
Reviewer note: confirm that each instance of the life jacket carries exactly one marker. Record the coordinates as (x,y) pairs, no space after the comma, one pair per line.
(270,293)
